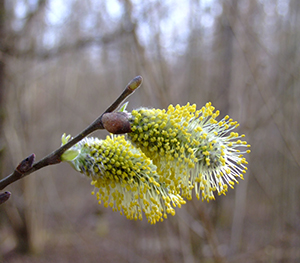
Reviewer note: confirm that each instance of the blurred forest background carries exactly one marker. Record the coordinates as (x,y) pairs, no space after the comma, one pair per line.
(63,62)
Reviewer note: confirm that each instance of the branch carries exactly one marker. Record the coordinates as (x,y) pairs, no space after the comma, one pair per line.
(27,166)
(45,54)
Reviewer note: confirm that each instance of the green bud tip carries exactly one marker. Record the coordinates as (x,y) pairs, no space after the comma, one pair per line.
(135,83)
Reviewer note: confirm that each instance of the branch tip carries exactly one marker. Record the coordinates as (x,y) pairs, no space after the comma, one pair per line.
(129,89)
(4,197)
(135,83)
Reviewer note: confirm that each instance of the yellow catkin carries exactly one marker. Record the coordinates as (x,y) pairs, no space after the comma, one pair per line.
(126,179)
(189,142)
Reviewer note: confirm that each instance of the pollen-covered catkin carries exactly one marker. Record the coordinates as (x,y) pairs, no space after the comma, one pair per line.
(125,178)
(191,149)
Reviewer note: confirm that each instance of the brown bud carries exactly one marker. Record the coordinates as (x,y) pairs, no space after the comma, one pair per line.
(26,164)
(4,197)
(116,122)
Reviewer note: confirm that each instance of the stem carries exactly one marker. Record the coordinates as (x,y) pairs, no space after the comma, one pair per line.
(27,166)
(130,88)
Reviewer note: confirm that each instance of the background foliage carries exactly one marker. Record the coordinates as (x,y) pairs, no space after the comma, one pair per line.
(63,62)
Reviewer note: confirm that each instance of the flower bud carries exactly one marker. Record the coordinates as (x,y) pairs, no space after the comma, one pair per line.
(116,122)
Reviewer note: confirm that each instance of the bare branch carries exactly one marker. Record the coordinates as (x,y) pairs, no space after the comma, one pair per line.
(30,18)
(27,167)
(55,52)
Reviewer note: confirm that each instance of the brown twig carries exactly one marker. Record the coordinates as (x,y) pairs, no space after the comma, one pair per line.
(4,197)
(27,166)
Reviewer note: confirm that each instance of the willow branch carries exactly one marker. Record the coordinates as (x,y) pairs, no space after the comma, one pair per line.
(27,166)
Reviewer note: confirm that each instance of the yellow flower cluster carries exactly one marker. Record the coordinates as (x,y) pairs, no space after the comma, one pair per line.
(168,155)
(190,148)
(127,180)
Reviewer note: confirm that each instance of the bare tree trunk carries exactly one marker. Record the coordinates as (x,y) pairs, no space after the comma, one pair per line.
(2,73)
(224,52)
(2,76)
(20,215)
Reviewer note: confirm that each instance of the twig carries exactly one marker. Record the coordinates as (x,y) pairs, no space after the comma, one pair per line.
(41,55)
(27,166)
(4,197)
